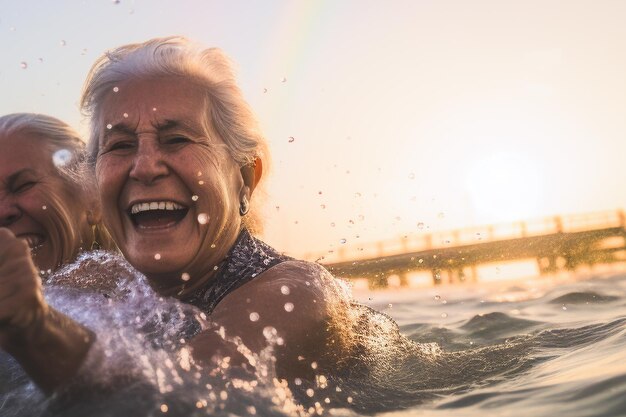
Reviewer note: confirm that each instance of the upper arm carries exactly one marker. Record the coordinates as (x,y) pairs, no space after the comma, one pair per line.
(291,298)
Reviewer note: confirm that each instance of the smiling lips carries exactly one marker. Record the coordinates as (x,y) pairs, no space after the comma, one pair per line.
(157,214)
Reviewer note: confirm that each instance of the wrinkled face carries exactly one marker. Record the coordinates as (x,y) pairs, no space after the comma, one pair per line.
(37,204)
(168,186)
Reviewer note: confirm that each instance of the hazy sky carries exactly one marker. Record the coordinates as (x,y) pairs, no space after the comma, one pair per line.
(446,113)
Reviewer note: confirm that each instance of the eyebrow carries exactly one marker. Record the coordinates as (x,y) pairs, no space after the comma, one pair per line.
(173,124)
(161,127)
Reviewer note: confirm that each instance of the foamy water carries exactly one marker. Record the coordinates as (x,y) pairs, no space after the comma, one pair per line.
(541,347)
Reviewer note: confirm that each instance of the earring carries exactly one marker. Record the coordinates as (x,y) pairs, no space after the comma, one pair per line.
(244,206)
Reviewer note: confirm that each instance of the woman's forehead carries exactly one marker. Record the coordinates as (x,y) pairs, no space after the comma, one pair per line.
(155,104)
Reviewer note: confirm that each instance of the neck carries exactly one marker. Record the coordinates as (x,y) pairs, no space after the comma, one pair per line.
(200,271)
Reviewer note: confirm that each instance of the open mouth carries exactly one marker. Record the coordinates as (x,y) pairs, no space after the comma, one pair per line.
(157,214)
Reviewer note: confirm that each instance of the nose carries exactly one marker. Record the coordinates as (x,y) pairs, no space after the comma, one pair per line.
(9,212)
(148,163)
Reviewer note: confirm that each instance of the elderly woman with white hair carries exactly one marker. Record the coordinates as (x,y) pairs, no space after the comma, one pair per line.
(47,217)
(177,155)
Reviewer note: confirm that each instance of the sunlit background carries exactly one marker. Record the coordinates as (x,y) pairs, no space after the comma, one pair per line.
(387,118)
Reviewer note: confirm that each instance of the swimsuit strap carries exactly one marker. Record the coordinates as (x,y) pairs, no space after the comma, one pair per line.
(248,258)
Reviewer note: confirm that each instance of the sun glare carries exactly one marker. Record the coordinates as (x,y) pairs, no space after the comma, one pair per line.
(503,187)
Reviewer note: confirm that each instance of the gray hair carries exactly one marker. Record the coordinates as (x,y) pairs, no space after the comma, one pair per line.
(57,134)
(177,56)
(229,114)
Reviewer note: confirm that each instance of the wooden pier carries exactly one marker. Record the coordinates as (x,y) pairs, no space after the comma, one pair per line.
(556,243)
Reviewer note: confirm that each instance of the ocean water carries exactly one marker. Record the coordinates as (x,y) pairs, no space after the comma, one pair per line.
(549,346)
(566,333)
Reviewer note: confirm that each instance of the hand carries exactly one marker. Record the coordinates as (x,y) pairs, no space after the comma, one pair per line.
(22,305)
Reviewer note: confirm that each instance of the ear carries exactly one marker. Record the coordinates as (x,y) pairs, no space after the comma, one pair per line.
(251,174)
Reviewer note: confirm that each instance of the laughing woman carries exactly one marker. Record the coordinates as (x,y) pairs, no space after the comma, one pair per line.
(46,218)
(177,156)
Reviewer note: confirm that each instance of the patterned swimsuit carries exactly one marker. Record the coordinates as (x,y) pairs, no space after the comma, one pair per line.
(248,258)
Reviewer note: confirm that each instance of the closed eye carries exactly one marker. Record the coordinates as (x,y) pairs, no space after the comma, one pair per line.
(175,140)
(25,186)
(122,145)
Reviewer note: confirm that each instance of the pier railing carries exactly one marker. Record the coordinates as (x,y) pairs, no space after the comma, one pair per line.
(558,241)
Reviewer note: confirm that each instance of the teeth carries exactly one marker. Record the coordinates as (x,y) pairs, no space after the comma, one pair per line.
(155,205)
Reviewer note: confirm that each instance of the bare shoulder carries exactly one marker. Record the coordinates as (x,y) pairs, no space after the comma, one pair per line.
(295,287)
(293,297)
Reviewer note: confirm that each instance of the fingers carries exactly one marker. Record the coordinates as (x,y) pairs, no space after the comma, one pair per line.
(21,299)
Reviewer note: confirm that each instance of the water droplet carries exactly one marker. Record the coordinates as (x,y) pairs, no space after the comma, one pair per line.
(164,408)
(254,316)
(564,308)
(269,333)
(125,115)
(185,276)
(203,218)
(310,392)
(343,241)
(420,261)
(284,290)
(327,400)
(332,224)
(215,268)
(194,197)
(63,43)
(157,256)
(389,305)
(109,126)
(264,90)
(349,399)
(437,297)
(291,139)
(314,365)
(200,182)
(212,245)
(154,109)
(297,381)
(116,89)
(24,65)
(289,307)
(283,80)
(61,157)
(411,176)
(444,315)
(420,225)
(44,207)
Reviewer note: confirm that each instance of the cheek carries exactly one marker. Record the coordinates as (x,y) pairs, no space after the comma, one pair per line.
(108,181)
